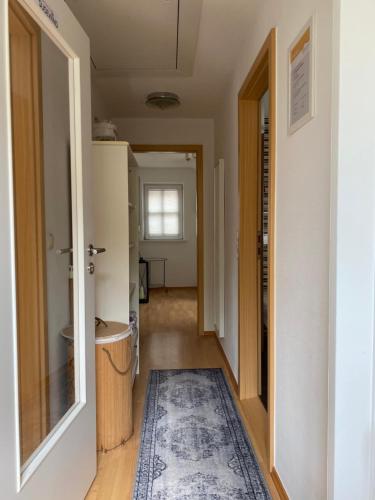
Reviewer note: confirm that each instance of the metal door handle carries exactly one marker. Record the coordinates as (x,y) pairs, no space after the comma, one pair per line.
(61,251)
(95,251)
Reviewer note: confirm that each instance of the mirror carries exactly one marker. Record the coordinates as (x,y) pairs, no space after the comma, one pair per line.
(43,228)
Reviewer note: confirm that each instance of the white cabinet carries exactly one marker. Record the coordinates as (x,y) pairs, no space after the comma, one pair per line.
(134,225)
(116,229)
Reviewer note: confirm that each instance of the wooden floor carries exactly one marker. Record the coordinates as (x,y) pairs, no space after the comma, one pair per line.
(168,340)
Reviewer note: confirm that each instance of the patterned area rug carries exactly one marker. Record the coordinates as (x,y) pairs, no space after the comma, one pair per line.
(193,444)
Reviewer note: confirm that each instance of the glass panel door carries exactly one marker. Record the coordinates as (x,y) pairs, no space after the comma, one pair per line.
(49,436)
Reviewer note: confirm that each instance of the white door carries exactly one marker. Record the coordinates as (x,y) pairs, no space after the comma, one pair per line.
(47,381)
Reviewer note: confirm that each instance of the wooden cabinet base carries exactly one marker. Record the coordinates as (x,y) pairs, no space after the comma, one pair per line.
(113,394)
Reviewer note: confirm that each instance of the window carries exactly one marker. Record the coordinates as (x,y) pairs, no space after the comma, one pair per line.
(163,207)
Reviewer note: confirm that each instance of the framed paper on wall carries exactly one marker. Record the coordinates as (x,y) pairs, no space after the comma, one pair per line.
(301,83)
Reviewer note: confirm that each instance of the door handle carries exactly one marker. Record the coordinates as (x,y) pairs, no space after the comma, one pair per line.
(95,251)
(62,251)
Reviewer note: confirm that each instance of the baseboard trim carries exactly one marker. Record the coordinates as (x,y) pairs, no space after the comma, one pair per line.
(227,364)
(278,485)
(209,334)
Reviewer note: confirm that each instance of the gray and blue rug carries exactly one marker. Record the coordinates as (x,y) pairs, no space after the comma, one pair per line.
(193,444)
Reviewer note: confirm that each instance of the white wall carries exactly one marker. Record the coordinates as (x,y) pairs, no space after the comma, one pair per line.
(352,419)
(181,270)
(302,245)
(98,105)
(183,131)
(56,143)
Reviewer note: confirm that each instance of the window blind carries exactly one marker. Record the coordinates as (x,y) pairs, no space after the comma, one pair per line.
(163,206)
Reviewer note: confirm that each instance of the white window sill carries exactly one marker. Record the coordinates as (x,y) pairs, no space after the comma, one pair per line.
(163,241)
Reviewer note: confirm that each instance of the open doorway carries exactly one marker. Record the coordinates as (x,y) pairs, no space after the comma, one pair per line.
(256,106)
(171,233)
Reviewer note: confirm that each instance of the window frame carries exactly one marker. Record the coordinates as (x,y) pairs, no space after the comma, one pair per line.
(163,186)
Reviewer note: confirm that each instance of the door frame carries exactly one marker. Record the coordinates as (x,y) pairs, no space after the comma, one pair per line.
(262,76)
(198,150)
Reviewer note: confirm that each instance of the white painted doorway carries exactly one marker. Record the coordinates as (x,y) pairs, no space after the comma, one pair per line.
(47,389)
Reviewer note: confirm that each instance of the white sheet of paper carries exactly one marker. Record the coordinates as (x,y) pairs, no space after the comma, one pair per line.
(300,85)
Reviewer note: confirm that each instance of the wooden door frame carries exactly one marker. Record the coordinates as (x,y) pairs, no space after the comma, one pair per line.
(198,150)
(262,76)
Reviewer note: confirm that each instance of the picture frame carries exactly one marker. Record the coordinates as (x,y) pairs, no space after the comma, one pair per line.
(301,78)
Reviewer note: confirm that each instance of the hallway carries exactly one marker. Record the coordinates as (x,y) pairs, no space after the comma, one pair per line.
(168,340)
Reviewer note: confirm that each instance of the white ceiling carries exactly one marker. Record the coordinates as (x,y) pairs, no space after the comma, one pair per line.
(134,47)
(144,37)
(164,160)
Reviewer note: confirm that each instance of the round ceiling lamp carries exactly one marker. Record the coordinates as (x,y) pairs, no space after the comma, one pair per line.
(163,100)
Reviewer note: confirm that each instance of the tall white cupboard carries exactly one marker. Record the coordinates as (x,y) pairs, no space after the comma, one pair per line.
(116,215)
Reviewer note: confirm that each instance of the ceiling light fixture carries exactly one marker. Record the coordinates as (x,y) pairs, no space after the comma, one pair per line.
(163,100)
